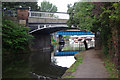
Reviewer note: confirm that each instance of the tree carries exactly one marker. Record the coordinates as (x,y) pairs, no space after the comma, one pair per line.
(102,17)
(14,5)
(14,37)
(80,15)
(47,6)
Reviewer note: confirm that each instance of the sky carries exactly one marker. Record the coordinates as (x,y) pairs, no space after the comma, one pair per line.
(61,4)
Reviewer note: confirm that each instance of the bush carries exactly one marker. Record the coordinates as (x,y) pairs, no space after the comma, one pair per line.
(105,50)
(15,37)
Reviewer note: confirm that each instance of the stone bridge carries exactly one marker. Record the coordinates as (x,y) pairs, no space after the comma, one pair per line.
(44,20)
(42,25)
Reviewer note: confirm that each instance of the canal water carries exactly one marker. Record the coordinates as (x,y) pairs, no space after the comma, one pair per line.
(41,64)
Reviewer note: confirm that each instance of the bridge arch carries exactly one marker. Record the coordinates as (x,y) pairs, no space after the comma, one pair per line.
(42,36)
(48,29)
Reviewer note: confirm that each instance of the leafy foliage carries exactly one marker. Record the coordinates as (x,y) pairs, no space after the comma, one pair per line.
(102,17)
(80,15)
(111,68)
(47,6)
(15,66)
(115,12)
(15,37)
(110,24)
(14,5)
(66,36)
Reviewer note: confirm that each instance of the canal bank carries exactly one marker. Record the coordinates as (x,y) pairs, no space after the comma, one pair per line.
(79,59)
(40,64)
(89,64)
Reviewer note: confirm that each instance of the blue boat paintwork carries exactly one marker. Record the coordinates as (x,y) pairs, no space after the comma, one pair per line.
(65,53)
(74,33)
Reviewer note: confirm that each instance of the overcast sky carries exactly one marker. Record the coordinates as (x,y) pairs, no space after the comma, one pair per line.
(61,4)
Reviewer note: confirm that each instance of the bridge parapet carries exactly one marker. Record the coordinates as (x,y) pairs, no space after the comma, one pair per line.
(46,20)
(47,17)
(37,14)
(52,15)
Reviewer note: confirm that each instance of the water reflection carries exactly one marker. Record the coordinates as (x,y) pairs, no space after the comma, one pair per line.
(64,61)
(63,55)
(39,63)
(52,65)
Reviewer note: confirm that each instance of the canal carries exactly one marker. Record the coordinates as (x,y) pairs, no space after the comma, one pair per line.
(41,64)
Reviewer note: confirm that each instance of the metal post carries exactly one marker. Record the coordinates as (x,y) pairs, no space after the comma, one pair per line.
(4,11)
(38,26)
(79,45)
(44,26)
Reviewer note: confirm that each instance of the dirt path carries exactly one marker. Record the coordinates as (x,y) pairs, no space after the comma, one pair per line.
(92,66)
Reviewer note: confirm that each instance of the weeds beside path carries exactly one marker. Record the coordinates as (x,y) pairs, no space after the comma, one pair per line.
(79,59)
(88,65)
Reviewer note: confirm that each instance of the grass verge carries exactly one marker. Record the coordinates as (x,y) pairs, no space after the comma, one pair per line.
(79,59)
(108,63)
(110,68)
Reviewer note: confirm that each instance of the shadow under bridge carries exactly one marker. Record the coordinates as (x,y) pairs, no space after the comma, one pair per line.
(42,36)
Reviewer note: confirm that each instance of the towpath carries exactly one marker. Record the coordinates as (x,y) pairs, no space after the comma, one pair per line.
(92,66)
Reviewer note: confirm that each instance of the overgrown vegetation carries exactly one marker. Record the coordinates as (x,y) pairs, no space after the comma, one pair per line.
(15,5)
(15,42)
(80,15)
(15,38)
(15,66)
(99,17)
(66,36)
(54,42)
(79,59)
(110,68)
(45,6)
